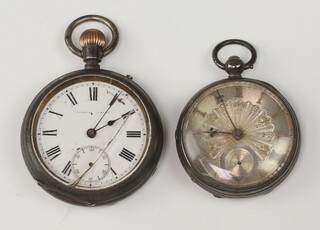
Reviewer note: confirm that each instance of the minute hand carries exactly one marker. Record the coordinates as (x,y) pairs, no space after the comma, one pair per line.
(114,99)
(224,105)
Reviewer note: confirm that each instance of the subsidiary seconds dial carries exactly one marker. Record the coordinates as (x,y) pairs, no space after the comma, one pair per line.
(86,169)
(91,113)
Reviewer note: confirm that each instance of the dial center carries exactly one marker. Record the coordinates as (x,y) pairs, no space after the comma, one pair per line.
(91,133)
(238,134)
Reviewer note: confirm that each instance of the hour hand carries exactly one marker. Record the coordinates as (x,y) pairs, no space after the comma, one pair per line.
(111,122)
(213,132)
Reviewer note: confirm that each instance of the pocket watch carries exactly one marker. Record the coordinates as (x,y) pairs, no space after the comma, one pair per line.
(92,136)
(237,137)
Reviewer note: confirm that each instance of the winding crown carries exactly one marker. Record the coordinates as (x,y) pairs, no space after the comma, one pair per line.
(92,37)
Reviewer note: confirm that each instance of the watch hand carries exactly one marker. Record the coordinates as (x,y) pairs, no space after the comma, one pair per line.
(111,122)
(91,164)
(224,105)
(212,132)
(119,100)
(92,132)
(114,99)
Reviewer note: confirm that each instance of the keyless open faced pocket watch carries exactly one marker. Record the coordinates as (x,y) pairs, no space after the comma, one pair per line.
(237,137)
(92,136)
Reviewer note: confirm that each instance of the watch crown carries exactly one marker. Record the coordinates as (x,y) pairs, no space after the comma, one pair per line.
(92,37)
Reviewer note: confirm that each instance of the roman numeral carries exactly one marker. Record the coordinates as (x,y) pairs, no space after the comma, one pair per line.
(114,172)
(55,113)
(126,154)
(261,96)
(67,169)
(277,114)
(93,93)
(219,96)
(238,91)
(133,133)
(71,98)
(53,152)
(52,132)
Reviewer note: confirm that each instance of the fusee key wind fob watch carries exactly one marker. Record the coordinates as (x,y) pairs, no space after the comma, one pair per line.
(237,137)
(92,136)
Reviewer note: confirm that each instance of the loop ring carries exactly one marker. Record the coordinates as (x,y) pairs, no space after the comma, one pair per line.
(106,50)
(247,65)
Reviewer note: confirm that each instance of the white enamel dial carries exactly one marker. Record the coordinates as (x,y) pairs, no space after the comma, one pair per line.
(92,133)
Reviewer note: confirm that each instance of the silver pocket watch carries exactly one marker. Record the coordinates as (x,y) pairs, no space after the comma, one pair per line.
(237,137)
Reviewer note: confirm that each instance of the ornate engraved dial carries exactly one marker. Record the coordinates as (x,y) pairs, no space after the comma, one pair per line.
(254,123)
(238,133)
